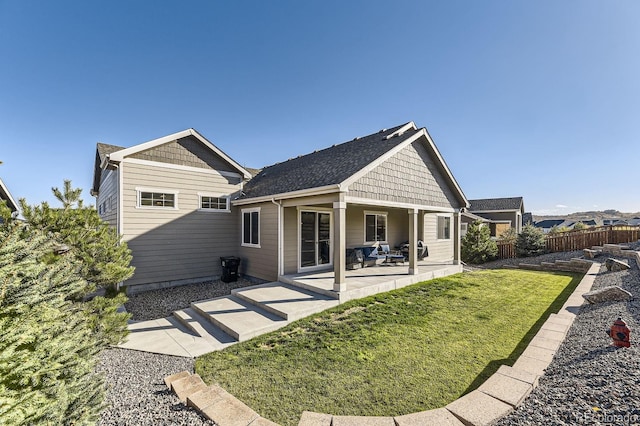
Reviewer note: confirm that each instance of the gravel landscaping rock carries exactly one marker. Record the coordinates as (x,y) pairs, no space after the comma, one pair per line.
(136,393)
(590,381)
(549,257)
(161,303)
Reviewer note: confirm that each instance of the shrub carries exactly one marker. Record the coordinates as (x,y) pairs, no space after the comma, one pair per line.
(48,351)
(531,242)
(477,245)
(579,226)
(508,236)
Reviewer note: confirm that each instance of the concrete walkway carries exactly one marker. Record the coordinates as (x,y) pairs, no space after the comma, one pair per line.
(214,324)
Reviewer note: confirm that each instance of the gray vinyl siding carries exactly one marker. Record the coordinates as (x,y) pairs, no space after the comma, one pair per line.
(397,225)
(172,245)
(439,250)
(185,152)
(290,240)
(108,194)
(410,177)
(260,262)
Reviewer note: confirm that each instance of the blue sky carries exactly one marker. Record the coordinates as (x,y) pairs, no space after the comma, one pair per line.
(535,99)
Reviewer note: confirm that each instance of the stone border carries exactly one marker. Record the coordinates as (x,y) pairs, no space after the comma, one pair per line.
(500,394)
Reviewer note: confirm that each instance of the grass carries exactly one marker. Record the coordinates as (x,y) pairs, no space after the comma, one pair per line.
(395,353)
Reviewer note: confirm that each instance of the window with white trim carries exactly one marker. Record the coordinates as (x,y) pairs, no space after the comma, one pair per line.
(251,227)
(157,199)
(214,203)
(444,227)
(375,226)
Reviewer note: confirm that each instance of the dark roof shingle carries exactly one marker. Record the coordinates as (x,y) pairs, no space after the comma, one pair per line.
(329,166)
(485,204)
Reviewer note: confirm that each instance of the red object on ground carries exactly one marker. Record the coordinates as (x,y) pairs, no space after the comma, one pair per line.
(619,332)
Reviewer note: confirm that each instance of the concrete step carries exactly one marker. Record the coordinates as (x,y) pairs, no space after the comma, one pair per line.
(201,327)
(325,292)
(238,318)
(288,302)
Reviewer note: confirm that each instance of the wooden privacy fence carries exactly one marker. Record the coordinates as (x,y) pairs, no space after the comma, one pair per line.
(580,239)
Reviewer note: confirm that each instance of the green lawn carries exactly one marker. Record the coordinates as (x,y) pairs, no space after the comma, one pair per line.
(395,353)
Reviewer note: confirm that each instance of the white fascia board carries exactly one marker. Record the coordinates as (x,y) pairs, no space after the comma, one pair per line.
(10,199)
(329,189)
(392,152)
(118,156)
(381,203)
(495,211)
(446,168)
(409,126)
(218,151)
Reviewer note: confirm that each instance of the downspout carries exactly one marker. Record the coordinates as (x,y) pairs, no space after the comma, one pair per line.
(119,214)
(280,248)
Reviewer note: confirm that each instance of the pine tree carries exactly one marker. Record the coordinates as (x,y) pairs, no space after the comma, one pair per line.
(103,260)
(477,245)
(48,350)
(531,242)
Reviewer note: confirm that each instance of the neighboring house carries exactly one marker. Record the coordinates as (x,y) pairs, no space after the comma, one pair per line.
(527,219)
(468,218)
(297,216)
(547,224)
(5,195)
(634,222)
(503,213)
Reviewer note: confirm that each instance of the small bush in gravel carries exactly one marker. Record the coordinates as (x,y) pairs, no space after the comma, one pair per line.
(477,245)
(531,242)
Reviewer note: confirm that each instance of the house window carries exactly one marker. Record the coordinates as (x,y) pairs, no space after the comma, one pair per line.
(214,203)
(251,227)
(157,199)
(444,227)
(375,225)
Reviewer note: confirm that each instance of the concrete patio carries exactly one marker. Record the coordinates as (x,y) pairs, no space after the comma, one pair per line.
(211,325)
(371,280)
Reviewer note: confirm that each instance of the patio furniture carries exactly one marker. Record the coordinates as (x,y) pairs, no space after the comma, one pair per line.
(423,251)
(355,258)
(391,256)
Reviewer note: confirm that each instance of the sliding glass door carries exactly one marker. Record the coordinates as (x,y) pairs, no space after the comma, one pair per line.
(315,239)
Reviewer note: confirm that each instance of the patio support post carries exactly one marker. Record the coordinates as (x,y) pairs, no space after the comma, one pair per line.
(413,241)
(456,238)
(339,244)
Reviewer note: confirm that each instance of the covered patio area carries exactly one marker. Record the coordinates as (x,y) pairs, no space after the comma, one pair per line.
(371,280)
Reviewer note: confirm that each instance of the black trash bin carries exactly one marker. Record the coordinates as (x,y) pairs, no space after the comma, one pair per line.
(230,268)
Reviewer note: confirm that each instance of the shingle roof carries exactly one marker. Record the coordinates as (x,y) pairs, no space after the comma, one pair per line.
(486,204)
(329,166)
(102,150)
(548,223)
(106,149)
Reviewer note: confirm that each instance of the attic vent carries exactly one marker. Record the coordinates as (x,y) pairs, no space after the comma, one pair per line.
(356,138)
(393,135)
(382,131)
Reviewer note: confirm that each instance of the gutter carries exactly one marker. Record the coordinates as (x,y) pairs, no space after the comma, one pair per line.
(329,189)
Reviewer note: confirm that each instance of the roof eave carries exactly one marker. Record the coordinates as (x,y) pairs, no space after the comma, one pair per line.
(322,190)
(11,202)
